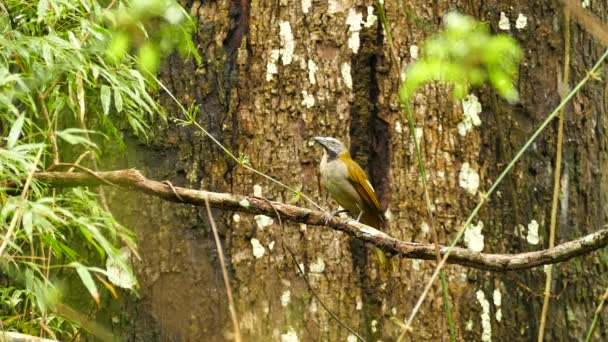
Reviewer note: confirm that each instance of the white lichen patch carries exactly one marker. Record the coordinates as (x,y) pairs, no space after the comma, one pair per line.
(318,266)
(306,5)
(346,76)
(313,307)
(244,203)
(271,65)
(398,127)
(285,298)
(288,44)
(359,303)
(263,221)
(533,237)
(258,249)
(308,100)
(521,21)
(374,325)
(290,336)
(486,325)
(312,71)
(334,6)
(257,190)
(354,20)
(469,325)
(468,179)
(370,20)
(352,338)
(271,245)
(236,218)
(586,3)
(425,228)
(473,238)
(414,51)
(416,264)
(497,297)
(471,107)
(503,22)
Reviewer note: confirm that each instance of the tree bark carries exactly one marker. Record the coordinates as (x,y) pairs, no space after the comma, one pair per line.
(276,74)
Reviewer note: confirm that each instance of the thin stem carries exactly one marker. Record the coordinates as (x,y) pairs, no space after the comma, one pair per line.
(230,154)
(596,316)
(49,123)
(427,197)
(498,180)
(557,175)
(19,209)
(444,285)
(220,253)
(301,271)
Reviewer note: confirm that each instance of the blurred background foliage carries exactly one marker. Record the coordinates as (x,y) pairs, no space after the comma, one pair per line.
(71,72)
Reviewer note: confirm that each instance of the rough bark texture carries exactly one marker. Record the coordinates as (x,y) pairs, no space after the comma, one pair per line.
(263,65)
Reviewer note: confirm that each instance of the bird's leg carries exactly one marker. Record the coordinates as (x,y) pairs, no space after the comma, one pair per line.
(339,211)
(334,213)
(359,217)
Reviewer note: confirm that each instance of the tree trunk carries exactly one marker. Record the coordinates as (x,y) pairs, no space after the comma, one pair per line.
(276,74)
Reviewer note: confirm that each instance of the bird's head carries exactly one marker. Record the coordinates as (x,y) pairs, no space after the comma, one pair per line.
(333,147)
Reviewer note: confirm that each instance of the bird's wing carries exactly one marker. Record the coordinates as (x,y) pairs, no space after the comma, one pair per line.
(359,180)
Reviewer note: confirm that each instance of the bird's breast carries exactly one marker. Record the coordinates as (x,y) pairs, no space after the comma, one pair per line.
(335,179)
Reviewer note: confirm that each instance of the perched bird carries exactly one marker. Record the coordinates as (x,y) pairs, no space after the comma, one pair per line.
(348,185)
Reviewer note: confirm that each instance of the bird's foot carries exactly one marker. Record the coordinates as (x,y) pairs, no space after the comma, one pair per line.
(334,213)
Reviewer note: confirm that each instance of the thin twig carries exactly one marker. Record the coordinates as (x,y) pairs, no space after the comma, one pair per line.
(596,316)
(227,151)
(19,209)
(220,253)
(508,168)
(79,159)
(557,174)
(49,123)
(314,293)
(425,188)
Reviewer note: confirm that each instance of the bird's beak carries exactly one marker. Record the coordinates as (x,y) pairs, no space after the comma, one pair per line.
(320,140)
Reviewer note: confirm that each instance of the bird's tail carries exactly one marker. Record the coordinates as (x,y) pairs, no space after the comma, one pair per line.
(385,262)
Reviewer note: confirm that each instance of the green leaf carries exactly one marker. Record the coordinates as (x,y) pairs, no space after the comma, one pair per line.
(43,6)
(73,137)
(87,280)
(13,135)
(106,94)
(117,100)
(149,58)
(28,225)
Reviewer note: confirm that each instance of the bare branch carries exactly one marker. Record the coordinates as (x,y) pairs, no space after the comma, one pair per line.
(133,180)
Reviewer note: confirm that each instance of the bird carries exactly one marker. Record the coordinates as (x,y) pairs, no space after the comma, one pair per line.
(348,184)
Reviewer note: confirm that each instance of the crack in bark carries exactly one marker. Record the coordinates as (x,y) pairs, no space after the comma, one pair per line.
(132,179)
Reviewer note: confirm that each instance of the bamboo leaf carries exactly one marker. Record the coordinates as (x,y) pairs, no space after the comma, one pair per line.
(87,280)
(106,94)
(13,135)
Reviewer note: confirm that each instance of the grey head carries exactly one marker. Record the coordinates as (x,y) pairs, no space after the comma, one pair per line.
(332,146)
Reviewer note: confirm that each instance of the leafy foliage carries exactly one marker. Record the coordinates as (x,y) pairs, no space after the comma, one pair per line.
(70,71)
(465,54)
